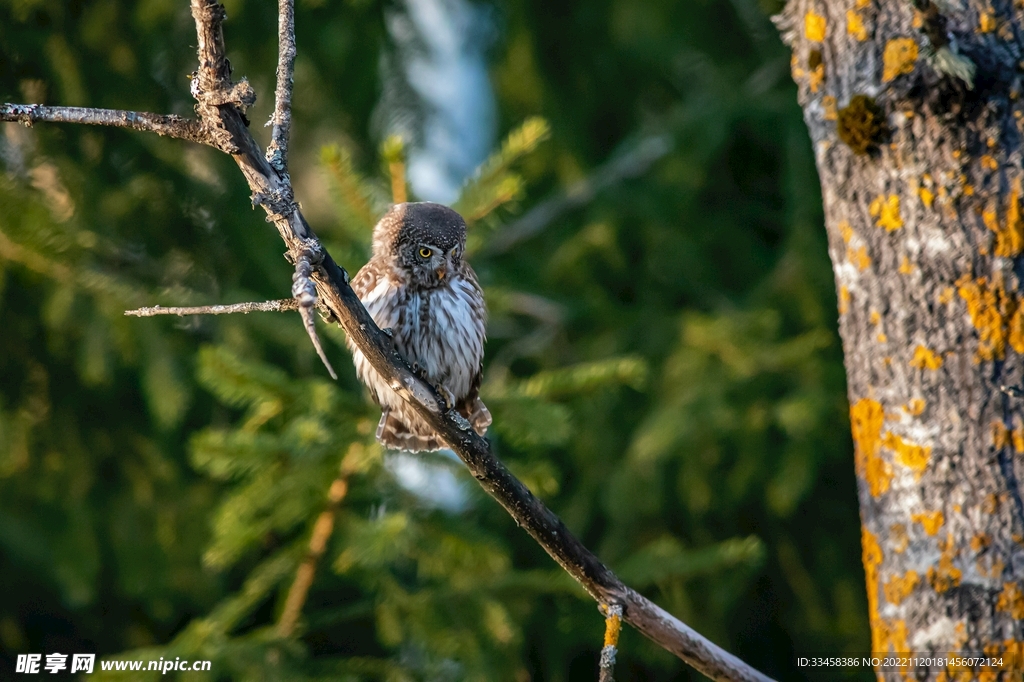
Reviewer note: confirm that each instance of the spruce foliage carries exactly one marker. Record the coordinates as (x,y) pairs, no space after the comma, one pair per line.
(662,362)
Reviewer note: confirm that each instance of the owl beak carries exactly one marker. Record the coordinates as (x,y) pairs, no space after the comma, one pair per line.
(440,272)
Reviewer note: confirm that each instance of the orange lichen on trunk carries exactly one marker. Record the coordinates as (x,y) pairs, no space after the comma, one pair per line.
(815,26)
(915,406)
(995,314)
(930,521)
(886,212)
(910,455)
(925,358)
(899,539)
(855,25)
(859,257)
(867,419)
(872,558)
(1009,234)
(898,58)
(899,588)
(945,575)
(1011,600)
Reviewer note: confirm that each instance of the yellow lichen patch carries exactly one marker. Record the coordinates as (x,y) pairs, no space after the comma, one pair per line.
(1000,435)
(1011,600)
(872,557)
(905,266)
(910,455)
(898,58)
(855,25)
(988,162)
(980,541)
(945,576)
(899,540)
(945,295)
(886,212)
(1016,330)
(1010,235)
(926,195)
(986,22)
(863,4)
(1017,436)
(876,317)
(930,521)
(890,636)
(990,504)
(882,338)
(816,77)
(1013,651)
(925,358)
(867,419)
(989,308)
(845,231)
(993,570)
(899,588)
(859,257)
(830,110)
(815,26)
(915,406)
(844,300)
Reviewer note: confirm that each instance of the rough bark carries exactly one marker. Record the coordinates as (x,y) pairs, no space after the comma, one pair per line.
(922,178)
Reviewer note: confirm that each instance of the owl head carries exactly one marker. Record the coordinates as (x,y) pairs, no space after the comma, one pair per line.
(422,241)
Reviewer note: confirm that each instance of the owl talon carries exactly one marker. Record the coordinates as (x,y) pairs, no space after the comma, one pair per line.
(447,396)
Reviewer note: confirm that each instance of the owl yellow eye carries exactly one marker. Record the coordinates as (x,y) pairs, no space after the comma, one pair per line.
(425,252)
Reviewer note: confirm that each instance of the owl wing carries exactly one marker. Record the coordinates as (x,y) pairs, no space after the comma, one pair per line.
(366,279)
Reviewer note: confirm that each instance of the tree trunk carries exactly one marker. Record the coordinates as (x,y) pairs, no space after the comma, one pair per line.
(922,183)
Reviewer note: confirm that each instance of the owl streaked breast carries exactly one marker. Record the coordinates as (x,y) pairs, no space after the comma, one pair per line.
(418,285)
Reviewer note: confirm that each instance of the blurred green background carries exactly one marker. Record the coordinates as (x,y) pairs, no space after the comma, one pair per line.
(663,365)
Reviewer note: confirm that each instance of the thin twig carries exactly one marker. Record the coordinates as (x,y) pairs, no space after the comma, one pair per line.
(635,161)
(161,124)
(277,152)
(322,530)
(285,304)
(612,627)
(221,108)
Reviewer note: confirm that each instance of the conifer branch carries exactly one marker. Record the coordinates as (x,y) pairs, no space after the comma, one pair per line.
(322,530)
(279,306)
(221,107)
(161,124)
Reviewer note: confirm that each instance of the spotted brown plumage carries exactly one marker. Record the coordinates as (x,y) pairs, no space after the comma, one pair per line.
(418,285)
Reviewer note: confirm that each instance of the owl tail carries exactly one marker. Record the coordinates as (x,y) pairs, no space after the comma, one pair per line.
(409,432)
(411,435)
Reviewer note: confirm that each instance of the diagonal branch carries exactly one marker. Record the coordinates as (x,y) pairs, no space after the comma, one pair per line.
(161,124)
(221,106)
(277,152)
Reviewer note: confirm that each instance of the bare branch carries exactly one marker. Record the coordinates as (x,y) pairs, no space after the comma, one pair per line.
(221,110)
(612,626)
(161,124)
(277,152)
(632,163)
(285,304)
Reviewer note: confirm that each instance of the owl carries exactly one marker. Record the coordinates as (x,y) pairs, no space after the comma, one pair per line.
(418,284)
